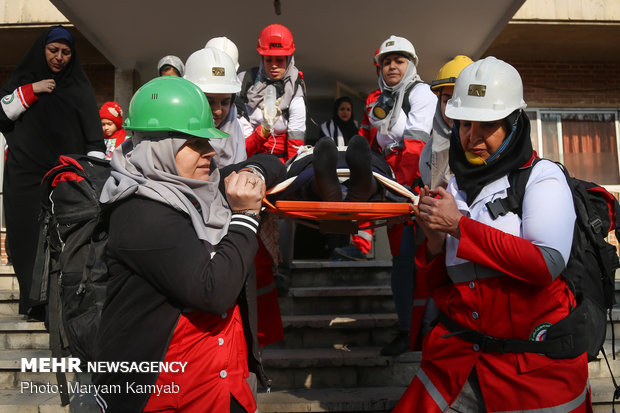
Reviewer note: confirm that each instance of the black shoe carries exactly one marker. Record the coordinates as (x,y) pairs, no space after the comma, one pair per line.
(398,346)
(362,185)
(324,161)
(348,253)
(36,314)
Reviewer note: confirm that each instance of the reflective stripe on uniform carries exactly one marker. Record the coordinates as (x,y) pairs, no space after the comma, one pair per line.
(416,134)
(562,408)
(296,134)
(101,402)
(364,235)
(470,271)
(421,302)
(266,289)
(432,390)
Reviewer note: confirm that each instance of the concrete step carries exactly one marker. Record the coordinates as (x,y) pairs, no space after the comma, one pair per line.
(346,291)
(8,281)
(602,394)
(9,302)
(338,367)
(339,321)
(8,269)
(360,399)
(44,399)
(12,401)
(615,316)
(11,359)
(598,368)
(328,330)
(11,376)
(340,273)
(19,334)
(333,357)
(377,399)
(338,300)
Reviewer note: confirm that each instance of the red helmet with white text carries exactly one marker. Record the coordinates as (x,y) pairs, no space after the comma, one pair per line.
(275,40)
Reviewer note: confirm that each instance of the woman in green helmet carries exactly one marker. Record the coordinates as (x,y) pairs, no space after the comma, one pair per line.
(182,240)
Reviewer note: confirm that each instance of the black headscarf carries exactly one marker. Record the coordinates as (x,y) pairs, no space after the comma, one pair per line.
(65,121)
(472,178)
(347,128)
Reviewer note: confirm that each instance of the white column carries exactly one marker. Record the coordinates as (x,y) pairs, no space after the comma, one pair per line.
(123,88)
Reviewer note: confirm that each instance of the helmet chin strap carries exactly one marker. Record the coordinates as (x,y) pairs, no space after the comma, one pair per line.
(498,153)
(477,160)
(502,147)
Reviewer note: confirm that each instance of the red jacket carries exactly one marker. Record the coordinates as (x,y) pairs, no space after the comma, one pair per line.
(513,300)
(214,349)
(279,145)
(366,130)
(405,162)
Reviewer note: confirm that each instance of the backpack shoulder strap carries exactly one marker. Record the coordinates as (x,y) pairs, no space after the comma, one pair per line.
(242,99)
(248,80)
(298,83)
(406,105)
(514,200)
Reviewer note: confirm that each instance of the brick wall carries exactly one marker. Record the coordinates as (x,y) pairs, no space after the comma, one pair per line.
(570,84)
(3,256)
(102,79)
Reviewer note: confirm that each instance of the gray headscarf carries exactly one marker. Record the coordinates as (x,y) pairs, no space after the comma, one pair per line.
(434,168)
(285,87)
(146,166)
(398,90)
(230,150)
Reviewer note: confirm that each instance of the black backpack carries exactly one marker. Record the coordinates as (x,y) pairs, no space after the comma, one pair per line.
(69,271)
(590,271)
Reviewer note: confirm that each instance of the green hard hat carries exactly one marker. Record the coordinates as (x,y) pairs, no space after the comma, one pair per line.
(171,103)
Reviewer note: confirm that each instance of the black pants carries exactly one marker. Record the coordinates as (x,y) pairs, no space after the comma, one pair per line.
(235,407)
(22,206)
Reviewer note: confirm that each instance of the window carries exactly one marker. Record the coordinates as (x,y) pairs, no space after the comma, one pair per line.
(585,141)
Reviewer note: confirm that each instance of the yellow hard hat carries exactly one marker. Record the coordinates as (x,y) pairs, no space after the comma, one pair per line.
(450,71)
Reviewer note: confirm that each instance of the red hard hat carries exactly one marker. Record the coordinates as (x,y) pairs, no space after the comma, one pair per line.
(275,40)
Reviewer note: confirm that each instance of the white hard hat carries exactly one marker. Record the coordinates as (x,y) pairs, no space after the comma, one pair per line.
(396,44)
(172,61)
(486,90)
(213,71)
(227,46)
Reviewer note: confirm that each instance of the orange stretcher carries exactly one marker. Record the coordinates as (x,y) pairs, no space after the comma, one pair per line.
(340,211)
(344,216)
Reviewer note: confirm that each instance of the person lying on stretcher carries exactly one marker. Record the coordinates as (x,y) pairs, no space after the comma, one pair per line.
(335,174)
